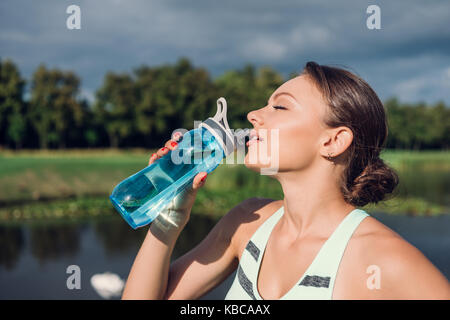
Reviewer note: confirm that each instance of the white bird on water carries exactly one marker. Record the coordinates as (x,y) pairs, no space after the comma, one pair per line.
(107,284)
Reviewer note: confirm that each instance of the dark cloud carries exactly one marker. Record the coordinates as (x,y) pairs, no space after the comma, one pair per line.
(409,57)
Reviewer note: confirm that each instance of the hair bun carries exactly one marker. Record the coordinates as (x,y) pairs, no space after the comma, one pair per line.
(374,182)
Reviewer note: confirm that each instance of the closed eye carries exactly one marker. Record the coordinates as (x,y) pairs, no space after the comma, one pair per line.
(279,107)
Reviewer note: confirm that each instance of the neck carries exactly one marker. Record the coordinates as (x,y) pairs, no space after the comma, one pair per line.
(313,202)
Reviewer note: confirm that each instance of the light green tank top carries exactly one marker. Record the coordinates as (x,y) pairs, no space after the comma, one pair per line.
(318,280)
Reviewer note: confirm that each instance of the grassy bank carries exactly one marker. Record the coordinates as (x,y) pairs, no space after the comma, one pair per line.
(76,183)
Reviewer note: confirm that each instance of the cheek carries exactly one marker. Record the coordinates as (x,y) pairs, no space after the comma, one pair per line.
(299,143)
(293,145)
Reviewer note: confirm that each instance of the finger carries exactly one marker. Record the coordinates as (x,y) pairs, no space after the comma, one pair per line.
(152,159)
(177,136)
(199,180)
(171,144)
(162,152)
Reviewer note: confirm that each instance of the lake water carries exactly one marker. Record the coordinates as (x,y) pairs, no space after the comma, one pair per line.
(34,258)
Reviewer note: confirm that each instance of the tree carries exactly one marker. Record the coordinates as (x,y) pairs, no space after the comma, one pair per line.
(115,107)
(172,97)
(247,90)
(398,135)
(12,106)
(439,126)
(54,108)
(417,126)
(17,128)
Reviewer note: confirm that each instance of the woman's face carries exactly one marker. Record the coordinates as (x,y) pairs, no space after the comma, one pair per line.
(289,128)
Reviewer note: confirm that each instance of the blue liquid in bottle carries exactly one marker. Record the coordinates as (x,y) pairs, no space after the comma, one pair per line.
(142,196)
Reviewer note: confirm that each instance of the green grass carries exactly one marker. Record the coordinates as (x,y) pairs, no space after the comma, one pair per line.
(426,159)
(34,176)
(77,183)
(57,209)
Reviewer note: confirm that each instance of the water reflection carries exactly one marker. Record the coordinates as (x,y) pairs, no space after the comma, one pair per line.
(420,181)
(117,237)
(52,242)
(12,243)
(56,241)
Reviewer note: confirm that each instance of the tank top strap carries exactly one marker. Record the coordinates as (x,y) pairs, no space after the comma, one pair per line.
(246,277)
(326,263)
(261,235)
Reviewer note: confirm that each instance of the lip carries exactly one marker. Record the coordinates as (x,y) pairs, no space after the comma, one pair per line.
(253,134)
(250,142)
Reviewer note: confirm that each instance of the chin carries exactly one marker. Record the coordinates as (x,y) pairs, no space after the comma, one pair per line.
(253,167)
(258,165)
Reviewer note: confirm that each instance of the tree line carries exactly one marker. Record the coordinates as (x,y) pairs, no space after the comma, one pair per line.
(142,108)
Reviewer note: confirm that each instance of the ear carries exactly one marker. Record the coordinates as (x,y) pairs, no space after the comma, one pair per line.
(336,141)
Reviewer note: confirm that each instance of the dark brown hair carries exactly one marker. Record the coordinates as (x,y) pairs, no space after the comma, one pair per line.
(353,103)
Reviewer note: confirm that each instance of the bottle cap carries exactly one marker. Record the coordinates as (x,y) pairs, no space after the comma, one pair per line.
(219,128)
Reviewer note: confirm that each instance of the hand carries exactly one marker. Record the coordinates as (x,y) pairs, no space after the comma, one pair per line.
(174,217)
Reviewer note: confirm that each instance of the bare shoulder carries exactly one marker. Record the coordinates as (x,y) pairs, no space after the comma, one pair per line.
(382,265)
(245,218)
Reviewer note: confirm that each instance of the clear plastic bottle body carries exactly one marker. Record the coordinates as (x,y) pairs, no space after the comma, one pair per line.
(142,196)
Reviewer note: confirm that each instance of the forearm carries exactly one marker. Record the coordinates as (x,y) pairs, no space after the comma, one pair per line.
(148,277)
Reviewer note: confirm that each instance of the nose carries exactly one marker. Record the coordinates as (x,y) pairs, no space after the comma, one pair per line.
(255,118)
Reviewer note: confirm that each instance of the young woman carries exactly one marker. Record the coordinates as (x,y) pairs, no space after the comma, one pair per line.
(314,243)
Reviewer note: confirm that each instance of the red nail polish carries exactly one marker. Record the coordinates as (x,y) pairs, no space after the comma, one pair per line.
(163,149)
(173,143)
(203,179)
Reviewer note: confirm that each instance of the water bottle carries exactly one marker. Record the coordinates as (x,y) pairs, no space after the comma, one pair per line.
(141,197)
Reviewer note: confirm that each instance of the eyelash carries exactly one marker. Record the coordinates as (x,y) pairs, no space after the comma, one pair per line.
(279,107)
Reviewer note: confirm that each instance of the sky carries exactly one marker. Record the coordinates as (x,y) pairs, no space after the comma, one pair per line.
(409,57)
